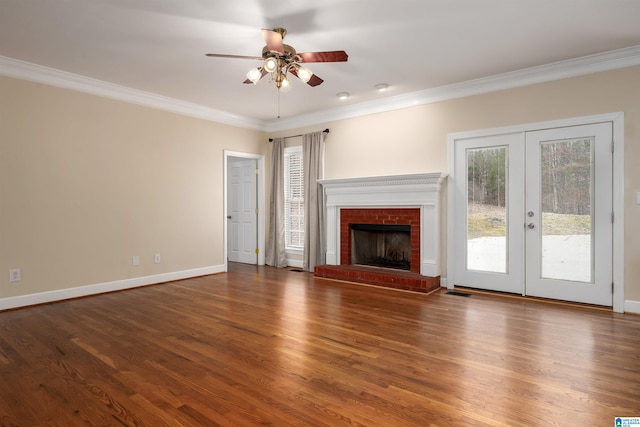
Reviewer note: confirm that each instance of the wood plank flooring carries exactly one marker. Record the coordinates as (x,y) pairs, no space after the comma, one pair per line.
(261,346)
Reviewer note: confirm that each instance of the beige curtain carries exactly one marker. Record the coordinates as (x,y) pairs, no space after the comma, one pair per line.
(312,159)
(275,254)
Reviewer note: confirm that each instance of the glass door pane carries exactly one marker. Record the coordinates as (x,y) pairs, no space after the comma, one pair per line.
(566,180)
(487,209)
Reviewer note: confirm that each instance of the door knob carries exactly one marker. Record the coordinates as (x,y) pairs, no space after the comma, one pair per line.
(531,226)
(228,216)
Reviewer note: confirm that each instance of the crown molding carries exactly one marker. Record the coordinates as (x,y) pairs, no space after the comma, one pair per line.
(606,61)
(36,73)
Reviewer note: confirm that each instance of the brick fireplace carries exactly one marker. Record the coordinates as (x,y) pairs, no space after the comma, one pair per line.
(407,200)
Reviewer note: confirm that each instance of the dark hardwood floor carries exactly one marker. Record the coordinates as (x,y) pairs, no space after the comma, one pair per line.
(260,346)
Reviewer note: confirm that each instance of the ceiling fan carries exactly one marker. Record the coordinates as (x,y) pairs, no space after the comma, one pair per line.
(280,59)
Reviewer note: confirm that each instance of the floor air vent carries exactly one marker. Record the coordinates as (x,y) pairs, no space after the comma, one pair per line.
(458,294)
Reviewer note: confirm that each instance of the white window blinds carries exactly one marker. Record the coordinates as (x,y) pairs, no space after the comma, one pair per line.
(294,198)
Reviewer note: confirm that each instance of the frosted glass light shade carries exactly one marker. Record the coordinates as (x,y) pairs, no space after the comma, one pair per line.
(304,73)
(270,65)
(254,75)
(285,85)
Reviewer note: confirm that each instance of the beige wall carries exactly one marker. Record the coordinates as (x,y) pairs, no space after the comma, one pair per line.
(86,183)
(414,140)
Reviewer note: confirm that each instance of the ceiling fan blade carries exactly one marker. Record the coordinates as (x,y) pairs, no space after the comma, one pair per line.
(313,81)
(273,40)
(330,56)
(219,55)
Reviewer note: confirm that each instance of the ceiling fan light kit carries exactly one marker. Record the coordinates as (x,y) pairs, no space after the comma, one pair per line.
(280,59)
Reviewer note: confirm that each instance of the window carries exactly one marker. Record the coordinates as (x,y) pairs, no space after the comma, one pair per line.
(293,198)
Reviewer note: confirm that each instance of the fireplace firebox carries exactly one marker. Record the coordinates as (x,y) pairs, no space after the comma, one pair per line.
(381,245)
(391,219)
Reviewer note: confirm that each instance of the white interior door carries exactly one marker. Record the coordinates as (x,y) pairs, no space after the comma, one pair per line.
(242,211)
(533,213)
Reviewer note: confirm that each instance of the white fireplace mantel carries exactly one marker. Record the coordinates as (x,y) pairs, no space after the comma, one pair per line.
(397,191)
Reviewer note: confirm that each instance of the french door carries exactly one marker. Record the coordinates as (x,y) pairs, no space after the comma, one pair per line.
(533,213)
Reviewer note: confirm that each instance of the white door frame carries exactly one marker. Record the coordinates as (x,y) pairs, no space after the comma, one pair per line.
(618,189)
(228,155)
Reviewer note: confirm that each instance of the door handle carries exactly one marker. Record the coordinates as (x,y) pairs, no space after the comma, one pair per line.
(228,216)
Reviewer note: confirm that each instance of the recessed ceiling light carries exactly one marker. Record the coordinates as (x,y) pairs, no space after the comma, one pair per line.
(381,87)
(342,95)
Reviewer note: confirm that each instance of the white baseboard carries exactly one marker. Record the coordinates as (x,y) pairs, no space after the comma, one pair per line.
(632,306)
(99,288)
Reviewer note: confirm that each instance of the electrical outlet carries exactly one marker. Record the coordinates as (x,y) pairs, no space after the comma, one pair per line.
(136,260)
(15,275)
(156,259)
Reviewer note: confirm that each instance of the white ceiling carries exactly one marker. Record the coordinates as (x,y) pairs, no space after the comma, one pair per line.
(159,46)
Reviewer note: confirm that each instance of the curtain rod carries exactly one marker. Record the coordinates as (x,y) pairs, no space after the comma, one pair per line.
(296,136)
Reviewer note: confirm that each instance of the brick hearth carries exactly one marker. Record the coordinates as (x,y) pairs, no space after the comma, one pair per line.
(384,277)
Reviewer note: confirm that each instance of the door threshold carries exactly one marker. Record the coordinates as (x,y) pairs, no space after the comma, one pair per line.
(533,299)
